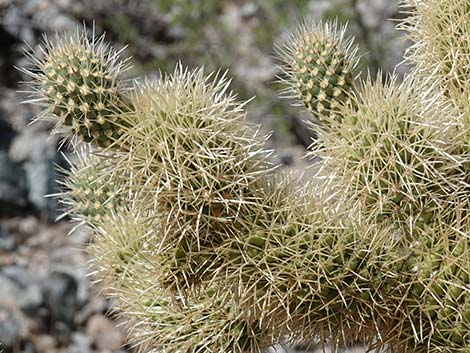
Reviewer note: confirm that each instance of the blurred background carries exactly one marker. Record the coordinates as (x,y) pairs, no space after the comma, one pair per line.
(47,302)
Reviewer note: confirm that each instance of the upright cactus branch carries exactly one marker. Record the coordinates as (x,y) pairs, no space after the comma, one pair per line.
(396,154)
(440,32)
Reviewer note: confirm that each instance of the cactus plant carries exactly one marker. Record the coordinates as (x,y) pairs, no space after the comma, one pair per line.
(439,30)
(319,66)
(206,248)
(437,310)
(92,189)
(398,154)
(77,81)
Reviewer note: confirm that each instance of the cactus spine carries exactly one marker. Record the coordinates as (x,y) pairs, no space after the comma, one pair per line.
(206,248)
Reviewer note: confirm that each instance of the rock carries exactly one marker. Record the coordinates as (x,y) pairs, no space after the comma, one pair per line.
(19,286)
(12,185)
(44,343)
(50,17)
(17,115)
(32,145)
(8,43)
(11,327)
(7,259)
(68,259)
(37,153)
(104,333)
(6,134)
(7,242)
(93,306)
(22,229)
(46,16)
(41,177)
(60,298)
(80,343)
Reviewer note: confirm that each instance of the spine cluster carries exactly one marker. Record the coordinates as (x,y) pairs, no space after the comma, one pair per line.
(207,248)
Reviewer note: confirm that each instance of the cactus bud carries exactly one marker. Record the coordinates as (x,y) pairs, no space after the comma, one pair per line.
(77,79)
(92,191)
(319,67)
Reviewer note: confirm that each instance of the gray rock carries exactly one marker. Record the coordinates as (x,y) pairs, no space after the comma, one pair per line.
(80,343)
(32,145)
(104,333)
(20,286)
(44,343)
(7,242)
(15,114)
(38,154)
(45,15)
(41,178)
(9,170)
(11,327)
(6,134)
(12,184)
(60,299)
(69,260)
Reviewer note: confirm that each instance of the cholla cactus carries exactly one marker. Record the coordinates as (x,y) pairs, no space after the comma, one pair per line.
(440,32)
(129,264)
(437,316)
(206,249)
(92,189)
(77,80)
(319,67)
(398,154)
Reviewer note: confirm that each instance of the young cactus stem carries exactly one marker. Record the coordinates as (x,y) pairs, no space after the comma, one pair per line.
(77,79)
(319,67)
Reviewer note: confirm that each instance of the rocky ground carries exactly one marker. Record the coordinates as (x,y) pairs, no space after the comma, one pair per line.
(47,301)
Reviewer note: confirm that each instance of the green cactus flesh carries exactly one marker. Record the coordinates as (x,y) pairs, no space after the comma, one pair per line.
(78,79)
(323,78)
(437,305)
(319,63)
(399,158)
(94,191)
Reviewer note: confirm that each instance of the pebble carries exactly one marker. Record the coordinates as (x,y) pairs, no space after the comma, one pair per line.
(20,286)
(104,333)
(80,343)
(7,242)
(44,343)
(11,325)
(12,184)
(60,298)
(38,156)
